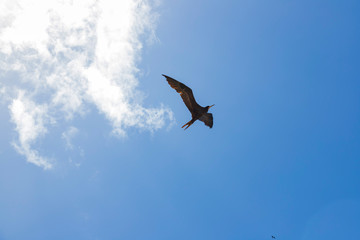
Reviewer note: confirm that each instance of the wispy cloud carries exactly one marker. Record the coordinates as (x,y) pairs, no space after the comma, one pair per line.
(70,55)
(30,120)
(68,135)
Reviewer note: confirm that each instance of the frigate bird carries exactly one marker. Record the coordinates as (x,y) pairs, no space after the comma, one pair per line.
(197,112)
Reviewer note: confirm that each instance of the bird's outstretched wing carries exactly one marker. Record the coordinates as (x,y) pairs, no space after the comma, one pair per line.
(185,93)
(207,118)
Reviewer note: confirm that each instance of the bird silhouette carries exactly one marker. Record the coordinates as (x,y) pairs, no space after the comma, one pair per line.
(197,112)
(273,237)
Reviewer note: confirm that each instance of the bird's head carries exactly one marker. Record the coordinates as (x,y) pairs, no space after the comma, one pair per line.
(208,107)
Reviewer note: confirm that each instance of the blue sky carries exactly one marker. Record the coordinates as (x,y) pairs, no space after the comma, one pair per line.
(283,156)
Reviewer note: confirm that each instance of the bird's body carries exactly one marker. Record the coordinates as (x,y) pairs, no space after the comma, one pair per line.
(197,112)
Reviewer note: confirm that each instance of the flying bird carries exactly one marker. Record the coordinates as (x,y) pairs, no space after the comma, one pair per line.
(197,112)
(273,237)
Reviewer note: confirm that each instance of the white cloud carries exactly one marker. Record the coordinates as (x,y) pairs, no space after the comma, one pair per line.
(30,120)
(69,55)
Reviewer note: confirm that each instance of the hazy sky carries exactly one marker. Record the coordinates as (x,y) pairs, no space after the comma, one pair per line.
(92,145)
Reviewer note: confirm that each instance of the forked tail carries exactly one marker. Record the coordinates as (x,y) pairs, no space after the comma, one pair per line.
(189,123)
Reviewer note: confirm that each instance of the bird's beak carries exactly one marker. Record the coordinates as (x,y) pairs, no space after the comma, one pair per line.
(211,106)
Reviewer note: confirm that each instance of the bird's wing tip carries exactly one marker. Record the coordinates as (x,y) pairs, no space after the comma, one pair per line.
(167,77)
